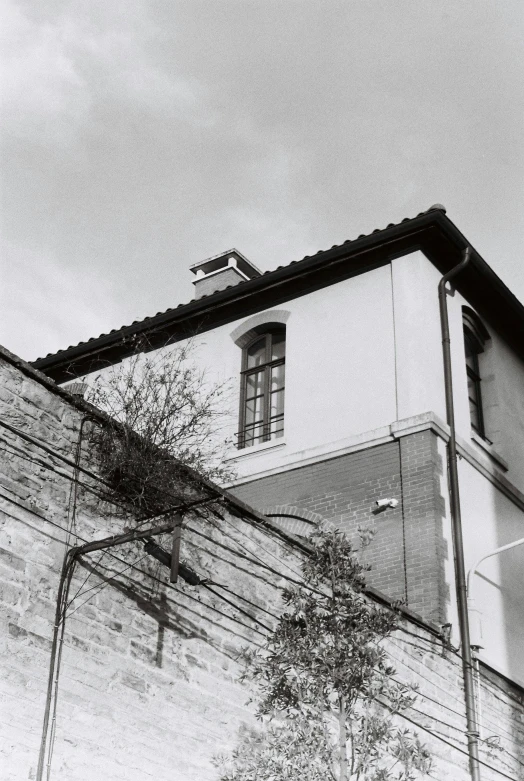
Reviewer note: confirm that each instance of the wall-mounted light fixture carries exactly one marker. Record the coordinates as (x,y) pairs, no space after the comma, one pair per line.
(383,504)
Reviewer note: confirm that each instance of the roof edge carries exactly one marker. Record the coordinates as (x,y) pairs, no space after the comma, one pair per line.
(123,340)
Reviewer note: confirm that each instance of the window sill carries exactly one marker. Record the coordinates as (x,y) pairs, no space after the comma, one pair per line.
(255,449)
(490,450)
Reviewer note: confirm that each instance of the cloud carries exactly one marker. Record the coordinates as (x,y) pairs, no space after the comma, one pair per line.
(57,71)
(57,307)
(43,93)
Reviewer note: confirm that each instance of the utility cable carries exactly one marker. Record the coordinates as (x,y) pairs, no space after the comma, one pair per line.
(38,443)
(452,745)
(244,612)
(90,572)
(100,586)
(63,587)
(133,566)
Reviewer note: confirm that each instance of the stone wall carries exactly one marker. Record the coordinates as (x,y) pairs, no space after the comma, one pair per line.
(149,686)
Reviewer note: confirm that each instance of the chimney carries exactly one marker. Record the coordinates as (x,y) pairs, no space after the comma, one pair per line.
(221,271)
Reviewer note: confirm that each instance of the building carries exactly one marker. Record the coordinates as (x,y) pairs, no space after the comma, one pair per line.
(357,330)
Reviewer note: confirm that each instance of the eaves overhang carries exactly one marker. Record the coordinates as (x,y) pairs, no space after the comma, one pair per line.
(431,232)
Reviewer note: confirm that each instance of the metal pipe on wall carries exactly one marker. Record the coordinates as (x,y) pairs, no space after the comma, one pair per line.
(456,526)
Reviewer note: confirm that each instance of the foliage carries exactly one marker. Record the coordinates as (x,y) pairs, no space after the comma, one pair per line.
(163,416)
(326,684)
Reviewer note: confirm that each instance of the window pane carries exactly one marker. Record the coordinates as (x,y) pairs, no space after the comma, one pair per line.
(263,416)
(277,403)
(254,384)
(277,427)
(472,389)
(254,410)
(256,354)
(253,435)
(471,363)
(278,345)
(277,377)
(474,415)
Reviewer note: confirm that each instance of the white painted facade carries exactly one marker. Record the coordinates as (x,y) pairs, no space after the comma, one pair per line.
(364,365)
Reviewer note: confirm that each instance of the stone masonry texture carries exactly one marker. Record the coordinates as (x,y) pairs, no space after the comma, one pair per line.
(149,685)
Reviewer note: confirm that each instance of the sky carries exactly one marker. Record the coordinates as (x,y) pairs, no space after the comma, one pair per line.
(141,136)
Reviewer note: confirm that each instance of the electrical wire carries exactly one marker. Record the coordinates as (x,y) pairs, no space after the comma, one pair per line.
(217,494)
(452,745)
(133,566)
(56,646)
(89,573)
(100,586)
(244,599)
(244,612)
(299,575)
(253,559)
(54,453)
(142,572)
(112,555)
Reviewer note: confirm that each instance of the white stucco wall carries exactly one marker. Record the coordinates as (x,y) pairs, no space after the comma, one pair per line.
(364,353)
(420,376)
(490,520)
(340,367)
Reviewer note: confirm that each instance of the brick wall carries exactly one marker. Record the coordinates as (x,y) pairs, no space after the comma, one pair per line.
(149,678)
(406,554)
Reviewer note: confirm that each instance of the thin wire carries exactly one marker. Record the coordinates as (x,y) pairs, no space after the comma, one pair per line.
(54,453)
(89,573)
(73,493)
(118,558)
(280,561)
(257,560)
(452,745)
(35,460)
(101,586)
(57,670)
(244,612)
(402,502)
(244,599)
(133,566)
(38,443)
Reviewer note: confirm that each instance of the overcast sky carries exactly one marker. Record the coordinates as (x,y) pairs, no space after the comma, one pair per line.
(142,136)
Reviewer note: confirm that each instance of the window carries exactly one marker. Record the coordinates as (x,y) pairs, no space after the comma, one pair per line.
(262,390)
(475,336)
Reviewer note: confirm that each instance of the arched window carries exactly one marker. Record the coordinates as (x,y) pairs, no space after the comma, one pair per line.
(475,336)
(262,389)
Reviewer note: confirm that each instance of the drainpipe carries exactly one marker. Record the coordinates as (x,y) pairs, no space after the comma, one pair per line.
(456,527)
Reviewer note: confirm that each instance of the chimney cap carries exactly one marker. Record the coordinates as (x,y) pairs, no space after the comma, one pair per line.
(221,261)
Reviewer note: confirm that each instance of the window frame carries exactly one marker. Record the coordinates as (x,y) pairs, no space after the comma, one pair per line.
(475,338)
(266,367)
(473,374)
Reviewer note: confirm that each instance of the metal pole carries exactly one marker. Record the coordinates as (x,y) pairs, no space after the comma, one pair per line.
(495,552)
(456,526)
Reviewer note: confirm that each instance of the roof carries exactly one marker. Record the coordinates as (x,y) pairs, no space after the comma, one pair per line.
(431,231)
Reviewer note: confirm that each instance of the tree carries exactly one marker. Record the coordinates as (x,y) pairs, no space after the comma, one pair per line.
(327,688)
(164,429)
